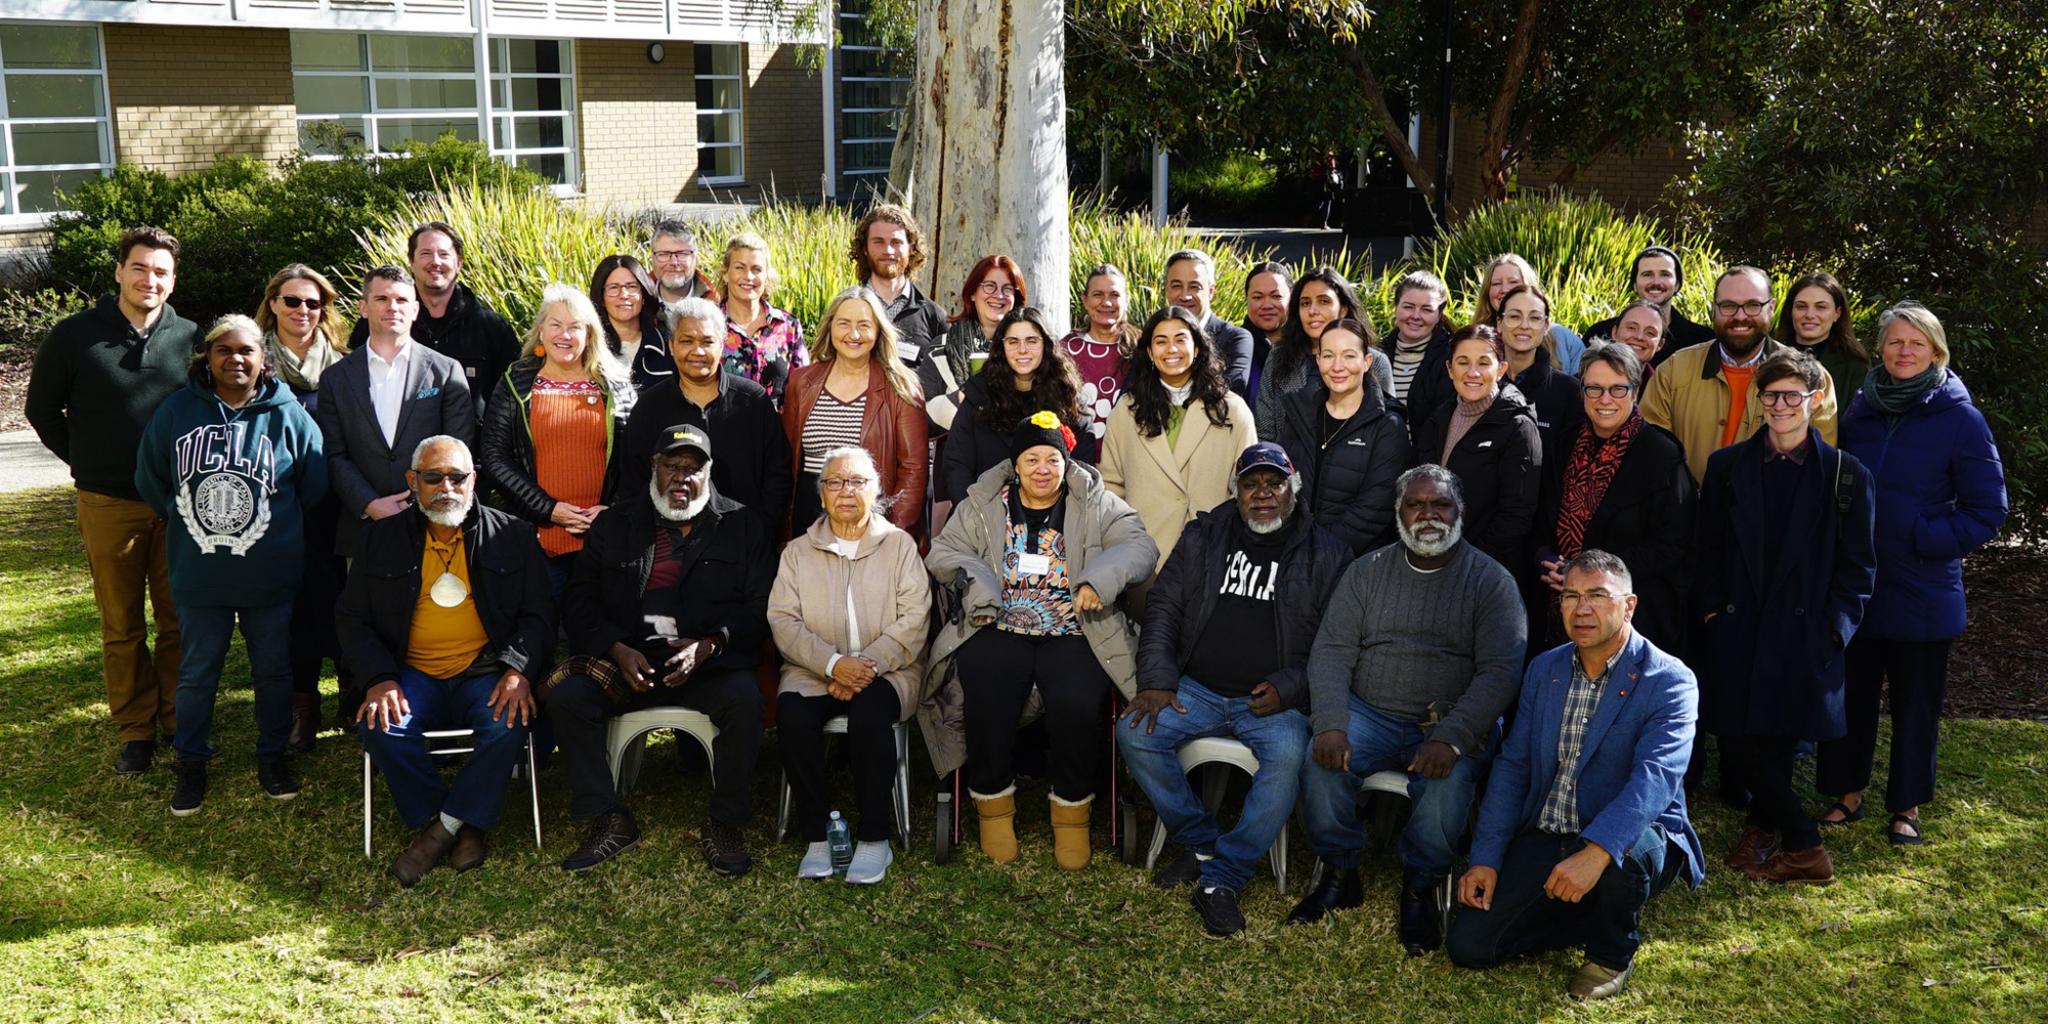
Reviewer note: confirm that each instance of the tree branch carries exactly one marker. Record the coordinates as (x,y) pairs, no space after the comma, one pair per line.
(1499,115)
(1392,129)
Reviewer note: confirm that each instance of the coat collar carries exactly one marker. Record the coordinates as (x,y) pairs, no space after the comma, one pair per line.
(821,537)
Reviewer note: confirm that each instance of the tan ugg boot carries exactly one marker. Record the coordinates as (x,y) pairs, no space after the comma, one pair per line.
(1071,847)
(998,825)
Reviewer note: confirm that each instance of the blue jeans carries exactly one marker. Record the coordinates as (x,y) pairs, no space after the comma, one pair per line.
(1439,808)
(1607,921)
(1279,741)
(266,633)
(401,751)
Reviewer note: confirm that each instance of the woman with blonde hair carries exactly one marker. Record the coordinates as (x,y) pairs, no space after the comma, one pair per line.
(762,343)
(551,430)
(1507,272)
(857,393)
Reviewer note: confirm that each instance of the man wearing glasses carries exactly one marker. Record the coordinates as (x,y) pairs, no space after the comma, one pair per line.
(1703,394)
(675,263)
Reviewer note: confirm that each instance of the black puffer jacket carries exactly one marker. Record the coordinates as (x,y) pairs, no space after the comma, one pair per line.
(973,446)
(1183,598)
(1348,479)
(1500,464)
(1431,385)
(1560,405)
(507,442)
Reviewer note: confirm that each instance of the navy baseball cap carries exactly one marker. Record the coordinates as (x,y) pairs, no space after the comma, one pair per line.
(684,435)
(1264,453)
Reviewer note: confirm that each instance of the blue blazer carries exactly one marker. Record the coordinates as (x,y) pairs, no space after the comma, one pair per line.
(1631,768)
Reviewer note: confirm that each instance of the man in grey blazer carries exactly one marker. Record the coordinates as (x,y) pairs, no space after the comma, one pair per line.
(381,401)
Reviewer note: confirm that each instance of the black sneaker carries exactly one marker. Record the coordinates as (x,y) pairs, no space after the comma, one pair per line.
(613,833)
(725,850)
(1218,907)
(274,774)
(135,758)
(1179,871)
(191,791)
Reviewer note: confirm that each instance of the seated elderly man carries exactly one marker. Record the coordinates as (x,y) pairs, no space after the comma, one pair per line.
(668,605)
(445,612)
(1418,655)
(1584,819)
(1224,652)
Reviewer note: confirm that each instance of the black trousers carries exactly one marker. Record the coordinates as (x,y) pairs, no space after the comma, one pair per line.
(1606,921)
(997,672)
(1764,766)
(1916,674)
(871,747)
(580,712)
(312,630)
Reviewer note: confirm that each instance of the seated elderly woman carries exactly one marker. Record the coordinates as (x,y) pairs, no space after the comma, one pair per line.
(1037,553)
(848,610)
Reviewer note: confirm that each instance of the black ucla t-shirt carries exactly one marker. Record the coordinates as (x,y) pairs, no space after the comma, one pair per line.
(1240,648)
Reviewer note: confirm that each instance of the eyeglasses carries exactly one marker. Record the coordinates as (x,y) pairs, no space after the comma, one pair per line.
(992,289)
(1785,399)
(1573,598)
(1615,391)
(1753,308)
(435,477)
(615,290)
(1518,318)
(674,255)
(847,483)
(294,302)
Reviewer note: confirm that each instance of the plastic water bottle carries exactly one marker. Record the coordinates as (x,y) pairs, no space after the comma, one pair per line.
(839,839)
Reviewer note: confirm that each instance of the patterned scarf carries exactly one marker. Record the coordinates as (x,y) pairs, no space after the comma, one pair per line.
(1586,476)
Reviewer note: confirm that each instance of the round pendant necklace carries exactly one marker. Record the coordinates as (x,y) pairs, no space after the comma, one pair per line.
(448,590)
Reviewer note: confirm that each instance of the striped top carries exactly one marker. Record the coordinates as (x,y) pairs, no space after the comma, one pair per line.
(831,424)
(570,449)
(1404,364)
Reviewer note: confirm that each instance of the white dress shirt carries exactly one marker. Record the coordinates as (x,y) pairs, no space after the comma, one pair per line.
(387,387)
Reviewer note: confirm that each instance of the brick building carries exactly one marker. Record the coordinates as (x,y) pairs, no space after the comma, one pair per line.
(622,102)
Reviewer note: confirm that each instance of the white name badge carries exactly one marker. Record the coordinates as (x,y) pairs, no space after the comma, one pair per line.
(1034,565)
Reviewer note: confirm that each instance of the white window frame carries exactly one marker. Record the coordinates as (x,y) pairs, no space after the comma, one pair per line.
(14,218)
(739,145)
(504,117)
(847,168)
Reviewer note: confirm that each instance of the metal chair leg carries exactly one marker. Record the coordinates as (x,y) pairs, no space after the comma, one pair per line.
(366,805)
(533,790)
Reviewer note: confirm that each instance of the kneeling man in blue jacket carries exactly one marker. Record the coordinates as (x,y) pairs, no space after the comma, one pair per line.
(1584,819)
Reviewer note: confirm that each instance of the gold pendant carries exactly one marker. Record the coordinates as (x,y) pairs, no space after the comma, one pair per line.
(448,591)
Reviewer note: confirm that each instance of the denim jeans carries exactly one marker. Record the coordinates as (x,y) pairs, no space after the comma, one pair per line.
(1279,741)
(409,772)
(1439,807)
(1607,921)
(266,633)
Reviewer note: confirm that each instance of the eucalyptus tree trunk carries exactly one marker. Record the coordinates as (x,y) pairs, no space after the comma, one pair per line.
(988,170)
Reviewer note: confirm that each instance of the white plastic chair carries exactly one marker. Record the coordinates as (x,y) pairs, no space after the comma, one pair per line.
(532,780)
(899,790)
(626,739)
(1211,753)
(1395,783)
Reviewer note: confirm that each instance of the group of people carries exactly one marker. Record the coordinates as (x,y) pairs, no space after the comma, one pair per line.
(1523,567)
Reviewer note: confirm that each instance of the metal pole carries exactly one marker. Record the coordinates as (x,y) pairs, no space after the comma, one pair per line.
(1443,122)
(1159,162)
(831,110)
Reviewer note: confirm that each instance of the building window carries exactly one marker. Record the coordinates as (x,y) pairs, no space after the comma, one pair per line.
(54,133)
(721,79)
(872,93)
(379,93)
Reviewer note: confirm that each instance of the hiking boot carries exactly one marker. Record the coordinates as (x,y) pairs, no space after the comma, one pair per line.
(1335,889)
(135,757)
(274,774)
(725,849)
(427,849)
(1218,907)
(611,833)
(191,791)
(1182,870)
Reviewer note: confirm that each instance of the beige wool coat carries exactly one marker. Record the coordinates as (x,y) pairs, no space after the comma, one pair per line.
(1170,484)
(891,596)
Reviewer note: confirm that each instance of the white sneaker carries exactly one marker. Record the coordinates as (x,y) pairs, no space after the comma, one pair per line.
(817,862)
(870,862)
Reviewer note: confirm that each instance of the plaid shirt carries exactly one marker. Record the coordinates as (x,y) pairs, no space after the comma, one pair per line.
(1561,808)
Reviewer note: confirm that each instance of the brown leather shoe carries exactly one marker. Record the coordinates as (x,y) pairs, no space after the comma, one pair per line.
(472,845)
(1805,867)
(1596,982)
(1751,850)
(305,721)
(427,850)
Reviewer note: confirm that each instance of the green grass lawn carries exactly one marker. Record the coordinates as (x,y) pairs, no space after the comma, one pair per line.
(111,910)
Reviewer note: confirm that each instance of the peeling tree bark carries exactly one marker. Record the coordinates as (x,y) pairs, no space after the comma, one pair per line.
(988,172)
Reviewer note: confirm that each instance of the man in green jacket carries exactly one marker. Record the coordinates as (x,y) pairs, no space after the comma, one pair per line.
(97,380)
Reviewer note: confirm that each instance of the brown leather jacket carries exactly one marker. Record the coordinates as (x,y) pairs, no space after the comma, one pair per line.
(893,430)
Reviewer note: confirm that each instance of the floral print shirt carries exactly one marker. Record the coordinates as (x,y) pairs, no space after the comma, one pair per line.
(769,355)
(1036,604)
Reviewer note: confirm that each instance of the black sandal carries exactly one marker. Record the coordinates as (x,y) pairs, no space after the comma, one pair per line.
(1850,815)
(1913,838)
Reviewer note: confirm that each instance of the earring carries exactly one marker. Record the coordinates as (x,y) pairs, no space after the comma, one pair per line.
(540,350)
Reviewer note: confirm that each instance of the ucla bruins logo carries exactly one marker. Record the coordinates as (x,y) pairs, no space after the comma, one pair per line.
(224,504)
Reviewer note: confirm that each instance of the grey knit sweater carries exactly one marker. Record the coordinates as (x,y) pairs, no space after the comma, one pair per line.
(1402,639)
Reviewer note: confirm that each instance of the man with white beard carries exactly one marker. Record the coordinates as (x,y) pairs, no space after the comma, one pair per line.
(446,612)
(668,605)
(1419,653)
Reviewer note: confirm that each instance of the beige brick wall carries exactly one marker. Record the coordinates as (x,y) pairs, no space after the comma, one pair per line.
(183,97)
(1633,182)
(638,126)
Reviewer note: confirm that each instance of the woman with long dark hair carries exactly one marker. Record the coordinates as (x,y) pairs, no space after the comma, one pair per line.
(1815,320)
(1322,297)
(1268,292)
(1523,321)
(1027,372)
(630,306)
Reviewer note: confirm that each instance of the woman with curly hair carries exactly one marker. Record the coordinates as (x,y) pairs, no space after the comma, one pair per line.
(1026,372)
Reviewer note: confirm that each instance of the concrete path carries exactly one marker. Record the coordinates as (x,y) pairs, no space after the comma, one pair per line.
(25,464)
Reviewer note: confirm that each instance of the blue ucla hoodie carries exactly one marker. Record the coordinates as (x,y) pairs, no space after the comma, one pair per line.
(233,484)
